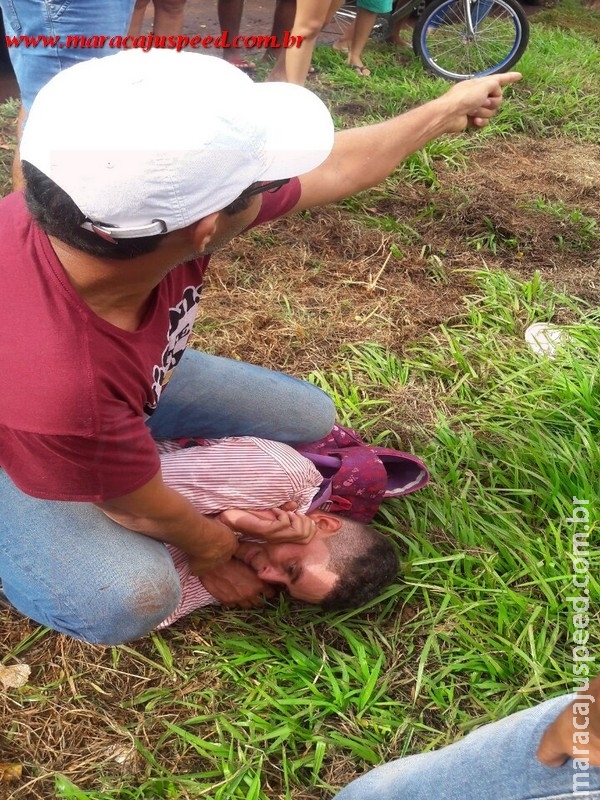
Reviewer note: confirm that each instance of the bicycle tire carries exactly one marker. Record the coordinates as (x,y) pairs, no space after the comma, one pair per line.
(500,37)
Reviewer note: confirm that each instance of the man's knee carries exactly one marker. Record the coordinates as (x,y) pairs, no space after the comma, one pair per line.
(171,6)
(315,418)
(309,29)
(117,613)
(135,612)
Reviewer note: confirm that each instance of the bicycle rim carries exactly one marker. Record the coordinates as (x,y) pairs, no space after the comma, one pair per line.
(500,34)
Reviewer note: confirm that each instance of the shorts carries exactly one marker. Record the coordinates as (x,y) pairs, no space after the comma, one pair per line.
(377,6)
(34,66)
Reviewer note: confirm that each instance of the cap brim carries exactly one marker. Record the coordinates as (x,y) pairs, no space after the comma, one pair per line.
(299,135)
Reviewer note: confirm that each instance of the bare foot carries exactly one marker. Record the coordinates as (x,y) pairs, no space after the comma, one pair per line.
(277,75)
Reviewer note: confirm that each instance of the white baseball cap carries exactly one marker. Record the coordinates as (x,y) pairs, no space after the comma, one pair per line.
(150,142)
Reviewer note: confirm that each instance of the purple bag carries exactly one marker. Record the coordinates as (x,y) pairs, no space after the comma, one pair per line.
(358,477)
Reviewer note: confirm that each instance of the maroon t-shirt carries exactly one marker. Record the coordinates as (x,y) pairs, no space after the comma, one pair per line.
(77,390)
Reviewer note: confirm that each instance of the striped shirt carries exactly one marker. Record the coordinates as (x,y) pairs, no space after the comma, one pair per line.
(236,472)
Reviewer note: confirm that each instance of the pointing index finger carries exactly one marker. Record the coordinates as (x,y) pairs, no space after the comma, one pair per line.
(506,78)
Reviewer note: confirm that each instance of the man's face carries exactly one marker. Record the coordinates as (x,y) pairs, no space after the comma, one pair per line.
(229,226)
(300,568)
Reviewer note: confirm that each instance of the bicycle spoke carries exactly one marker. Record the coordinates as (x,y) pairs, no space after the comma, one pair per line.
(452,50)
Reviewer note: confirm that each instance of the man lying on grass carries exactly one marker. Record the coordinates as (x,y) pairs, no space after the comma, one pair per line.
(138,166)
(316,557)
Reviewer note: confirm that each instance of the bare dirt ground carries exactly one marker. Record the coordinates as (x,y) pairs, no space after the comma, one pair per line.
(200,18)
(299,291)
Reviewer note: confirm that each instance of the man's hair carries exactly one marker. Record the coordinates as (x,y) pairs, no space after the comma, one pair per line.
(57,214)
(365,561)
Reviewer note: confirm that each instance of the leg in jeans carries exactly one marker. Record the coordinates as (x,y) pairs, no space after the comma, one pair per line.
(214,397)
(495,762)
(67,566)
(34,66)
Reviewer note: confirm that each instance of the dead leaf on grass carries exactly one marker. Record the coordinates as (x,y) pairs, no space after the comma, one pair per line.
(126,756)
(10,772)
(15,676)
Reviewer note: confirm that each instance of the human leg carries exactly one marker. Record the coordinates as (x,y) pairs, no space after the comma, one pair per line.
(343,44)
(230,19)
(213,397)
(495,762)
(168,17)
(394,35)
(310,18)
(34,66)
(137,18)
(67,566)
(362,30)
(283,20)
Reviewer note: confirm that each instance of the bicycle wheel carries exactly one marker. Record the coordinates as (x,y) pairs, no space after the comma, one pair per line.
(454,49)
(343,18)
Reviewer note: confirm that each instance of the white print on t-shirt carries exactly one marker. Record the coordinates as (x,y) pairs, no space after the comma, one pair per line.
(181,320)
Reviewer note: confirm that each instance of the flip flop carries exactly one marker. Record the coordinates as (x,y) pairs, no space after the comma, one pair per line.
(357,477)
(363,71)
(343,49)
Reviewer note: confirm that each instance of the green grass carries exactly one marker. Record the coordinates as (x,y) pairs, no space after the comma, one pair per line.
(478,626)
(557,95)
(8,115)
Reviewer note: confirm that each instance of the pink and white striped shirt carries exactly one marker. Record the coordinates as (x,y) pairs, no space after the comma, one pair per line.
(236,472)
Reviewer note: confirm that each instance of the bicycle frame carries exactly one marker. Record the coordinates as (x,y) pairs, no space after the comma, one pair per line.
(404,8)
(456,39)
(400,10)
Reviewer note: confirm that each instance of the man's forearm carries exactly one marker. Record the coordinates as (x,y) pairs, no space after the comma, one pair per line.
(161,513)
(363,157)
(190,532)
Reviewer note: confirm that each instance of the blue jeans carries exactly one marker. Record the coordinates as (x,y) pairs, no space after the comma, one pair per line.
(67,566)
(495,762)
(34,66)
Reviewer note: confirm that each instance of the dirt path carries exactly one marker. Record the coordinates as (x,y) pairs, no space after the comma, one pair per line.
(200,18)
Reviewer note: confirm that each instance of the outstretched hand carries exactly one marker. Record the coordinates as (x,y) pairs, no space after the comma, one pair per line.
(475,102)
(273,525)
(577,728)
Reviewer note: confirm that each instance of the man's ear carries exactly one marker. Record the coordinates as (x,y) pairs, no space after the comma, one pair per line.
(201,232)
(326,522)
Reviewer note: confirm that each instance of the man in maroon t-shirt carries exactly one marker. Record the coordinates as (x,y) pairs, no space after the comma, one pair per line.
(102,271)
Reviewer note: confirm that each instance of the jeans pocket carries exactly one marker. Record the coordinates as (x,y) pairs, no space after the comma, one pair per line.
(12,23)
(33,19)
(56,10)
